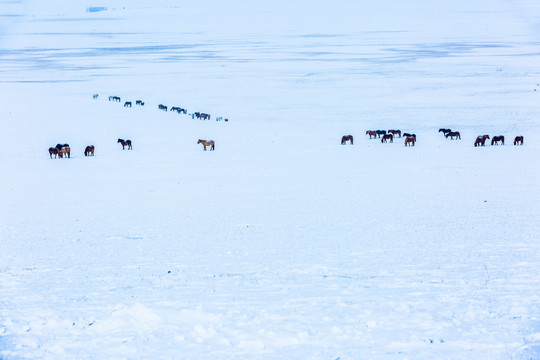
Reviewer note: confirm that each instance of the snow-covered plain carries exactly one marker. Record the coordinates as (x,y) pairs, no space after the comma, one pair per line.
(281,243)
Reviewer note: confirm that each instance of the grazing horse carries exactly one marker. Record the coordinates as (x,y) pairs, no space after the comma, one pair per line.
(95,96)
(496,139)
(453,134)
(162,107)
(381,132)
(481,140)
(64,151)
(410,140)
(206,143)
(395,132)
(444,131)
(53,151)
(387,137)
(371,133)
(125,143)
(89,151)
(518,140)
(346,138)
(139,102)
(127,104)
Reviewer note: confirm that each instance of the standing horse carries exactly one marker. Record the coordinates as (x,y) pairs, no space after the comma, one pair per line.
(410,140)
(496,139)
(206,143)
(453,134)
(518,140)
(127,104)
(95,96)
(481,140)
(125,143)
(444,131)
(346,138)
(381,132)
(395,132)
(387,137)
(89,151)
(53,151)
(64,151)
(371,133)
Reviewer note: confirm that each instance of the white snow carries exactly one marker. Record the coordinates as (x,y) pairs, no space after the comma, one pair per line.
(281,243)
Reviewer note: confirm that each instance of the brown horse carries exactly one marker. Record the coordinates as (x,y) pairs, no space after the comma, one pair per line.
(125,143)
(89,151)
(496,139)
(518,140)
(53,151)
(453,134)
(346,138)
(371,133)
(387,137)
(481,140)
(206,143)
(64,151)
(395,132)
(410,140)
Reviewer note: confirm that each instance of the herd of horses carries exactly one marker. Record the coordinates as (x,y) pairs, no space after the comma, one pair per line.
(198,115)
(410,139)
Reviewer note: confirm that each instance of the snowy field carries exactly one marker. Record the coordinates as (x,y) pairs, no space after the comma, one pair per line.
(281,243)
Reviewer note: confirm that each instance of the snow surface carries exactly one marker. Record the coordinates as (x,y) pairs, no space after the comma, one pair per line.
(281,243)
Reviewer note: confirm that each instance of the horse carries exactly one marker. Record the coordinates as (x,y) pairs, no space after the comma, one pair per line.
(453,134)
(481,140)
(64,151)
(496,139)
(206,143)
(346,138)
(394,132)
(89,151)
(387,137)
(410,135)
(139,102)
(444,131)
(410,140)
(381,132)
(95,96)
(518,140)
(371,133)
(162,107)
(53,151)
(125,143)
(127,104)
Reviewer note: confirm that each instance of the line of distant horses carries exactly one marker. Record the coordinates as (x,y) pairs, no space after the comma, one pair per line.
(198,115)
(64,151)
(410,139)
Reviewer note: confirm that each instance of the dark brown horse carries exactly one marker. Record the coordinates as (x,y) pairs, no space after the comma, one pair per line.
(453,134)
(444,131)
(496,139)
(53,151)
(518,140)
(89,151)
(65,151)
(395,132)
(481,140)
(371,133)
(346,138)
(387,137)
(125,143)
(206,143)
(410,140)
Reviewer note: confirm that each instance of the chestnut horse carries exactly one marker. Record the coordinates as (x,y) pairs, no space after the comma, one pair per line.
(410,140)
(125,143)
(206,143)
(496,139)
(518,140)
(395,132)
(53,151)
(387,137)
(346,138)
(453,134)
(371,133)
(89,151)
(481,140)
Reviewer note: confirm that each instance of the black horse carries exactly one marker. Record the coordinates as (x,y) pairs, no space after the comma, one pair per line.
(381,132)
(444,131)
(346,138)
(162,107)
(127,104)
(453,134)
(139,102)
(496,139)
(125,143)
